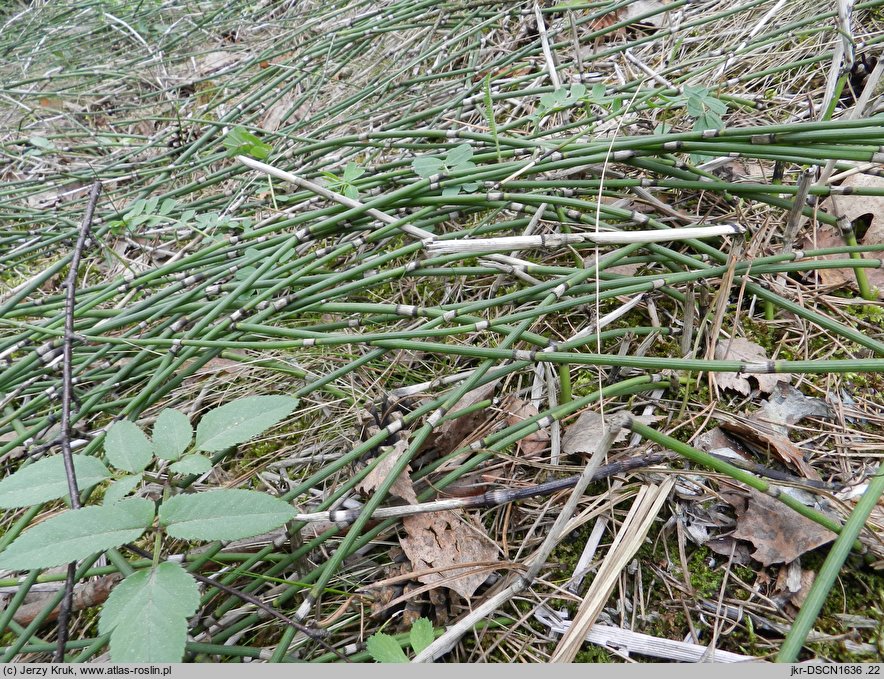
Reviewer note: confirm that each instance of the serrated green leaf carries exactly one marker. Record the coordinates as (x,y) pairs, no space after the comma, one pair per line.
(228,514)
(578,91)
(171,434)
(459,154)
(598,92)
(353,172)
(41,143)
(427,166)
(469,187)
(450,191)
(240,420)
(187,215)
(192,464)
(127,447)
(121,487)
(716,105)
(548,100)
(351,192)
(384,648)
(244,273)
(46,480)
(695,107)
(421,634)
(167,206)
(146,615)
(77,533)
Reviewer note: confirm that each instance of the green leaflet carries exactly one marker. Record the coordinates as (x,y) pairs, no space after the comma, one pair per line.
(77,533)
(46,480)
(228,514)
(240,420)
(172,434)
(127,447)
(146,615)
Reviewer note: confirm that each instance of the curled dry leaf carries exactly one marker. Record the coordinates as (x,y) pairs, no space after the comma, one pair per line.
(851,207)
(584,435)
(792,586)
(637,8)
(779,534)
(769,427)
(739,349)
(450,434)
(86,595)
(402,487)
(518,410)
(439,540)
(787,406)
(765,437)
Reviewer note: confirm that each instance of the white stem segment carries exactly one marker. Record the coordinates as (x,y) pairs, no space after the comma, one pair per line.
(557,240)
(425,236)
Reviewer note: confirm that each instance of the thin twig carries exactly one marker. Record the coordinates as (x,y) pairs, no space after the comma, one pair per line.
(447,641)
(67,392)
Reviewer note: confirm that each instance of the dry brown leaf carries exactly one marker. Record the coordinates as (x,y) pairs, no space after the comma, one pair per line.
(779,534)
(727,546)
(443,539)
(624,269)
(854,207)
(841,278)
(762,435)
(769,426)
(279,112)
(638,7)
(851,207)
(740,349)
(787,406)
(792,586)
(716,441)
(584,435)
(402,487)
(518,410)
(86,595)
(451,433)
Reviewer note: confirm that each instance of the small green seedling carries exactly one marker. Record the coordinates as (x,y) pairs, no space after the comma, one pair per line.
(456,160)
(146,614)
(560,99)
(705,108)
(344,183)
(384,648)
(241,142)
(145,212)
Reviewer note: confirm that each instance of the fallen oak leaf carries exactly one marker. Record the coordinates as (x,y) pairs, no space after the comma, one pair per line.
(740,349)
(787,406)
(402,486)
(765,437)
(439,540)
(517,410)
(779,533)
(584,435)
(769,426)
(448,435)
